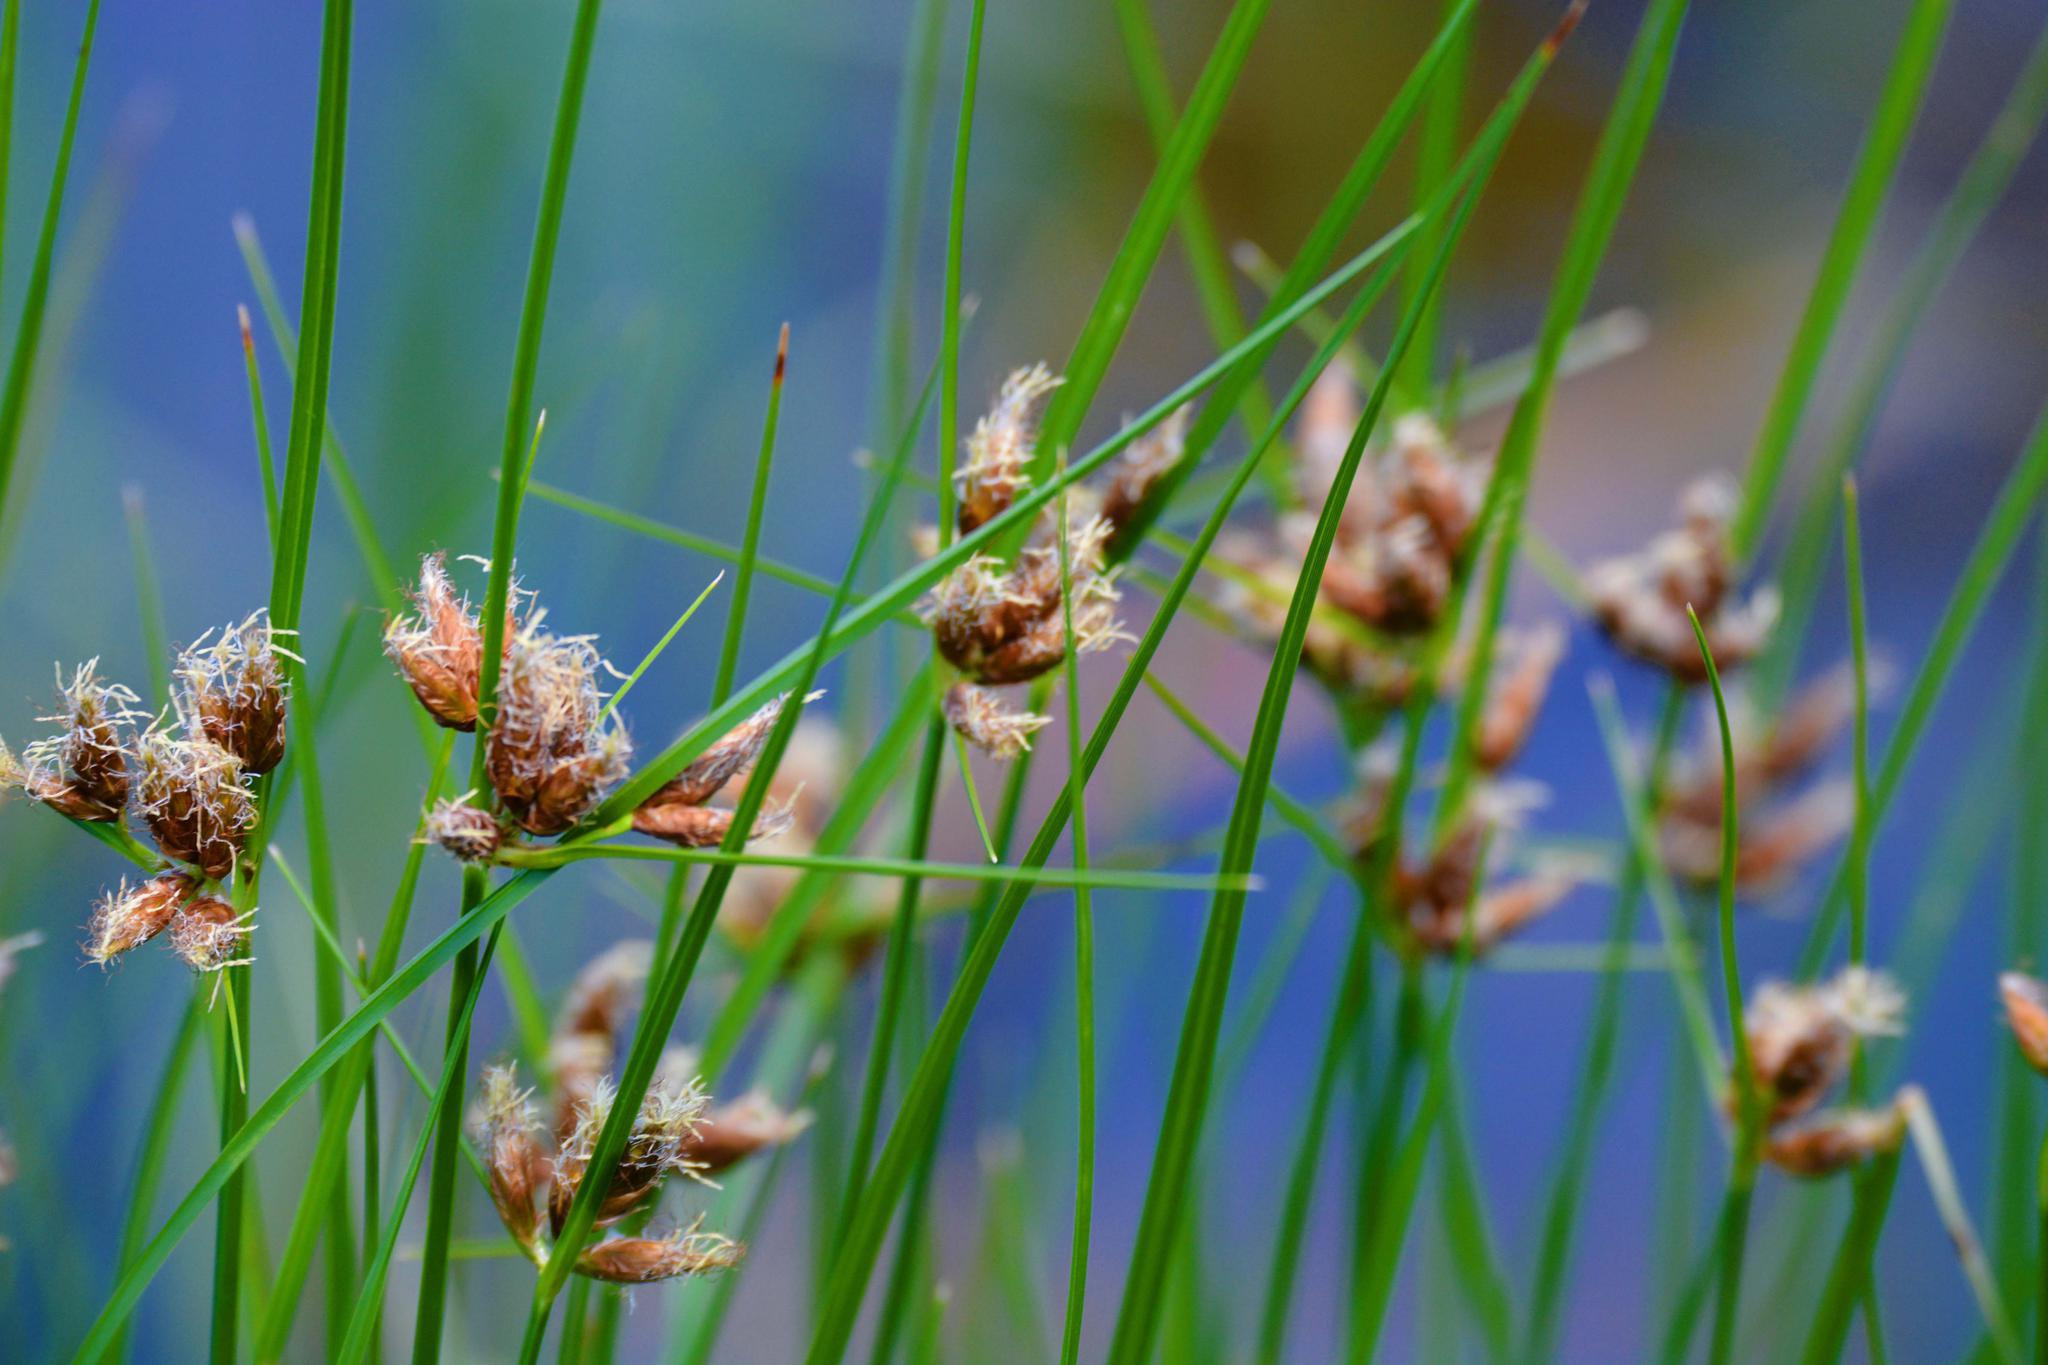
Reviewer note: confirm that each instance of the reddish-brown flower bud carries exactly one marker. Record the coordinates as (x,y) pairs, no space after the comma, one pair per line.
(1143,464)
(469,832)
(439,649)
(668,1118)
(234,692)
(1516,697)
(82,770)
(506,1129)
(730,1133)
(2026,1012)
(553,752)
(192,798)
(999,449)
(128,917)
(210,936)
(1833,1141)
(643,1260)
(584,1043)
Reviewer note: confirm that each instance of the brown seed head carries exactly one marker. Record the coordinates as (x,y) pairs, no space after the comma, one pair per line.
(192,798)
(1516,698)
(233,692)
(730,1133)
(2026,1013)
(506,1129)
(1142,465)
(1822,1144)
(82,770)
(439,649)
(553,754)
(469,832)
(210,936)
(999,449)
(643,1260)
(1801,1037)
(668,1119)
(980,717)
(128,917)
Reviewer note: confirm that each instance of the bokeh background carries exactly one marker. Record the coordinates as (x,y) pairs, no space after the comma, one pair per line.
(732,175)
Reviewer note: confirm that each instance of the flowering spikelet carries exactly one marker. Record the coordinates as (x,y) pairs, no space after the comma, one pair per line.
(192,798)
(585,1039)
(210,936)
(82,770)
(1801,1037)
(980,717)
(506,1128)
(999,448)
(643,1260)
(730,1133)
(1000,628)
(662,1130)
(1437,896)
(1640,600)
(233,692)
(128,917)
(469,832)
(1822,1144)
(553,754)
(1140,468)
(2026,1013)
(1516,697)
(676,812)
(439,649)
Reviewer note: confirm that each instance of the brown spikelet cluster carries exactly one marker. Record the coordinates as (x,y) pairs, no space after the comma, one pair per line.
(526,1176)
(677,812)
(1410,516)
(553,753)
(1782,828)
(1525,662)
(1640,600)
(1441,903)
(233,692)
(1000,623)
(439,648)
(584,1045)
(189,777)
(82,769)
(470,833)
(1801,1042)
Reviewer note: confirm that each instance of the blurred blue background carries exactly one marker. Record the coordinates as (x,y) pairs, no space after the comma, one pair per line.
(732,175)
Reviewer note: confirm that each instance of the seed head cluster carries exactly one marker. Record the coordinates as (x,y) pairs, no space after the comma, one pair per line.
(1801,1042)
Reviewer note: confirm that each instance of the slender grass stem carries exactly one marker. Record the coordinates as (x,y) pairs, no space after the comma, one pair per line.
(750,544)
(1849,1273)
(949,319)
(157,1135)
(266,463)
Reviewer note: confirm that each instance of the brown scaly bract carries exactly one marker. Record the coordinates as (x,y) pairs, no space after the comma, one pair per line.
(677,811)
(234,693)
(552,753)
(1640,600)
(439,648)
(82,770)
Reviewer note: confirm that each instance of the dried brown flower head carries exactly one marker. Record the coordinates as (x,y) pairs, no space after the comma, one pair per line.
(439,649)
(999,627)
(677,813)
(1137,472)
(210,936)
(730,1133)
(662,1130)
(999,448)
(980,717)
(471,833)
(128,917)
(82,770)
(192,798)
(234,692)
(1802,1037)
(2026,1012)
(643,1260)
(1640,600)
(507,1129)
(1825,1143)
(553,753)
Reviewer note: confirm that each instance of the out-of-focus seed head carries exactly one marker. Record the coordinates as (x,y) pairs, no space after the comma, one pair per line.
(1772,844)
(82,769)
(2026,1013)
(439,648)
(999,448)
(127,917)
(233,692)
(1640,600)
(1801,1037)
(607,989)
(706,826)
(1823,1144)
(730,1133)
(209,936)
(191,797)
(553,754)
(979,716)
(1143,464)
(471,833)
(644,1260)
(506,1128)
(1516,697)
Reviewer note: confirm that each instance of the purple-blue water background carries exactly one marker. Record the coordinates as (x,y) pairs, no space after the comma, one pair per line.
(732,174)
